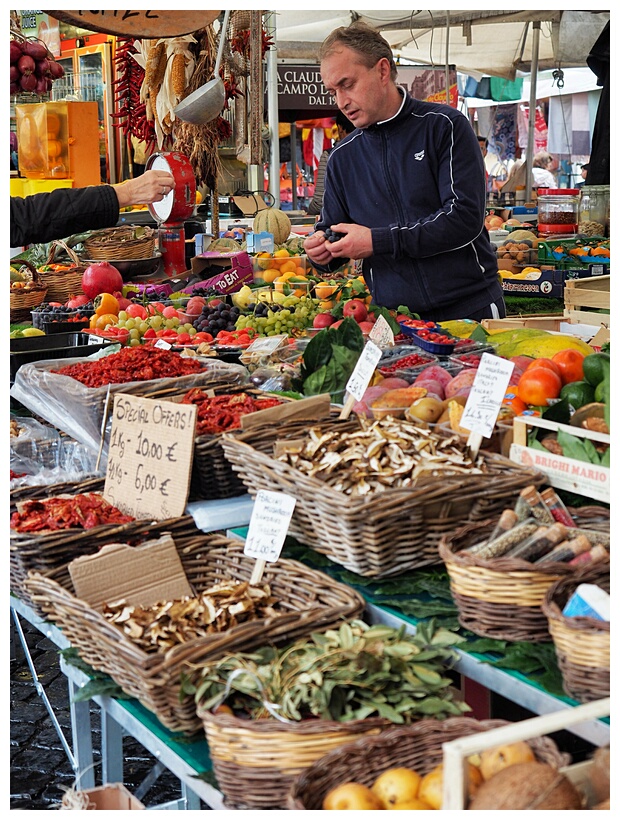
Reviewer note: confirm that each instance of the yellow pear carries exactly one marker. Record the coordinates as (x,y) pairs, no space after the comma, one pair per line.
(396,785)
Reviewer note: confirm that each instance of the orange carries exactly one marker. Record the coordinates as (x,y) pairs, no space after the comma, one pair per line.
(600,252)
(270,275)
(539,384)
(570,363)
(326,304)
(544,362)
(512,400)
(104,320)
(281,253)
(106,303)
(288,267)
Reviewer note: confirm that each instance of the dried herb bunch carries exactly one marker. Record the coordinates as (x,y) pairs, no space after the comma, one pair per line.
(351,673)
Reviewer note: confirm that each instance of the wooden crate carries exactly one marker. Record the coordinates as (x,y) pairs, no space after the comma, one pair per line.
(583,478)
(581,294)
(456,752)
(534,320)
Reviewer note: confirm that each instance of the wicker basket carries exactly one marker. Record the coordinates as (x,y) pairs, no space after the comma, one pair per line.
(383,533)
(52,552)
(416,747)
(23,301)
(63,284)
(498,598)
(256,762)
(121,243)
(309,599)
(582,644)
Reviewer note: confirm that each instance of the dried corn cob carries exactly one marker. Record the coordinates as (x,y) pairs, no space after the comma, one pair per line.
(177,75)
(155,65)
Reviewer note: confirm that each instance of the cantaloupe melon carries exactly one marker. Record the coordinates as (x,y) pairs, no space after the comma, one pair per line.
(274,221)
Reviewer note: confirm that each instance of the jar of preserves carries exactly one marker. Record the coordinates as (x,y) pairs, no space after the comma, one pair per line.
(558,210)
(594,210)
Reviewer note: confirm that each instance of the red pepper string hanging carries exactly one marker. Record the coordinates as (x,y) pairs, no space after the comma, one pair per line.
(129,110)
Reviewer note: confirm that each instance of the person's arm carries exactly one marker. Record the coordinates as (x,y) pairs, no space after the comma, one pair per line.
(60,213)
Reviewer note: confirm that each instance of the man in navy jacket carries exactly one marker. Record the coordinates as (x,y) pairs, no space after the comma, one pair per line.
(406,190)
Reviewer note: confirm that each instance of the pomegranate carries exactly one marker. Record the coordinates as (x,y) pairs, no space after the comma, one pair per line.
(123,301)
(77,301)
(101,277)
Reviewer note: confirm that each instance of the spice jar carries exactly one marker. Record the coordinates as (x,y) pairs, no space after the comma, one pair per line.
(558,210)
(594,210)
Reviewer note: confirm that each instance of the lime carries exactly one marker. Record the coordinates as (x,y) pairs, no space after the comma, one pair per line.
(577,393)
(596,367)
(601,392)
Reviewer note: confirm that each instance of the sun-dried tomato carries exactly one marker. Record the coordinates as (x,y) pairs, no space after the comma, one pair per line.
(216,414)
(131,364)
(83,511)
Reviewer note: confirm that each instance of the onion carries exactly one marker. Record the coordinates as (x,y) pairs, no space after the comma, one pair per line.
(35,49)
(56,70)
(16,51)
(28,82)
(49,83)
(15,74)
(41,86)
(26,64)
(15,88)
(42,67)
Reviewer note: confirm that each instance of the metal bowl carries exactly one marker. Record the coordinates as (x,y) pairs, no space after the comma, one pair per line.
(129,268)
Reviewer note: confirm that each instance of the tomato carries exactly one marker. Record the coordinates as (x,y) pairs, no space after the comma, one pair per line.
(543,362)
(106,303)
(570,362)
(539,384)
(136,311)
(105,319)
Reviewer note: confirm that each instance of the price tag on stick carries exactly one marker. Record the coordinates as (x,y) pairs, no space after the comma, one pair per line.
(150,456)
(361,376)
(382,334)
(271,516)
(485,399)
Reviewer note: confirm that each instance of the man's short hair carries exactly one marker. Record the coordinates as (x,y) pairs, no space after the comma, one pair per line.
(483,140)
(363,39)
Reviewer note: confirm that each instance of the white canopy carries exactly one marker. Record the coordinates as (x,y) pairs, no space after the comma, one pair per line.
(497,43)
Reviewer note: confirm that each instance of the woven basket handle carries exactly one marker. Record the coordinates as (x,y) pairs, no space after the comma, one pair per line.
(59,243)
(36,276)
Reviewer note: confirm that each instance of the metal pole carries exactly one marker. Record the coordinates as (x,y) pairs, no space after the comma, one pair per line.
(447,58)
(272,110)
(294,165)
(531,120)
(255,169)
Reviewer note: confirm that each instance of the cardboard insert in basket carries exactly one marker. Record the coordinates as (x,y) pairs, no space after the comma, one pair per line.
(79,410)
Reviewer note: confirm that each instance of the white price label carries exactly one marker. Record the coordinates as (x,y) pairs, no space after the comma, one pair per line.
(382,334)
(162,344)
(94,340)
(365,367)
(271,516)
(487,393)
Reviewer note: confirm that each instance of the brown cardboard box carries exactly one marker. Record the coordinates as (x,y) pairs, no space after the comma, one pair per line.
(106,798)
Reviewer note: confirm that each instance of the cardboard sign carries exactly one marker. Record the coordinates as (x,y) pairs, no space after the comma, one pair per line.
(269,524)
(229,281)
(150,456)
(142,575)
(364,369)
(311,408)
(382,334)
(487,393)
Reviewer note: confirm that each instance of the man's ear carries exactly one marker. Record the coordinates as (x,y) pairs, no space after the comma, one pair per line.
(385,70)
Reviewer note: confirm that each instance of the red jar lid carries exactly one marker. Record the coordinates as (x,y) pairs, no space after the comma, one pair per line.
(558,191)
(567,229)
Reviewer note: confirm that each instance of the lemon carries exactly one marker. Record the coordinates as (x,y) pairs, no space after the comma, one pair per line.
(32,331)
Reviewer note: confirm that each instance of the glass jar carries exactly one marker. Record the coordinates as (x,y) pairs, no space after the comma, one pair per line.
(558,210)
(594,210)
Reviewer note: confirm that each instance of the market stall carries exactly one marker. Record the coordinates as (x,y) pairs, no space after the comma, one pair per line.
(406,504)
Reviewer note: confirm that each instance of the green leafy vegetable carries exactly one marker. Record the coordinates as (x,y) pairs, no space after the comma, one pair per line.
(329,359)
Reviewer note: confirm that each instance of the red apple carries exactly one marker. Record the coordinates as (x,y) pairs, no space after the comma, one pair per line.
(366,327)
(355,308)
(323,320)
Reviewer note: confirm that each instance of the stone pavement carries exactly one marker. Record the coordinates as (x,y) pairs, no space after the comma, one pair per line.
(40,768)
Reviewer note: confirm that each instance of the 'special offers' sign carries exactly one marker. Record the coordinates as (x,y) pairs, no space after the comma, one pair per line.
(150,456)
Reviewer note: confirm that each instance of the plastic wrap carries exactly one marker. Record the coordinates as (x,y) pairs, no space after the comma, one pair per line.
(79,411)
(36,444)
(71,462)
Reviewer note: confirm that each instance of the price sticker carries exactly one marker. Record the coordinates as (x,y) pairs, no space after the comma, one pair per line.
(162,344)
(487,393)
(94,340)
(382,334)
(364,369)
(150,456)
(271,516)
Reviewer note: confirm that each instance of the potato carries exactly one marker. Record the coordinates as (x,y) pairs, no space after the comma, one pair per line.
(463,379)
(361,408)
(436,373)
(432,386)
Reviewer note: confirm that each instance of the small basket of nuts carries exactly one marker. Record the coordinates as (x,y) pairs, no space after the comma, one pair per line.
(521,252)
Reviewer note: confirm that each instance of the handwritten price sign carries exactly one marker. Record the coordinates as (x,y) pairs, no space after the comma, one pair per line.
(487,393)
(364,369)
(271,516)
(150,456)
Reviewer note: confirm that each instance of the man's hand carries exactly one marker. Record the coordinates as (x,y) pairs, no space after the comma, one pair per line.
(356,243)
(152,186)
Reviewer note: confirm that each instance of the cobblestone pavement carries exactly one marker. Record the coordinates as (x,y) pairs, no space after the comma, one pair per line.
(40,768)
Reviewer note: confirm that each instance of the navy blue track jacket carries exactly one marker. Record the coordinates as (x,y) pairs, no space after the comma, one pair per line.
(417,180)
